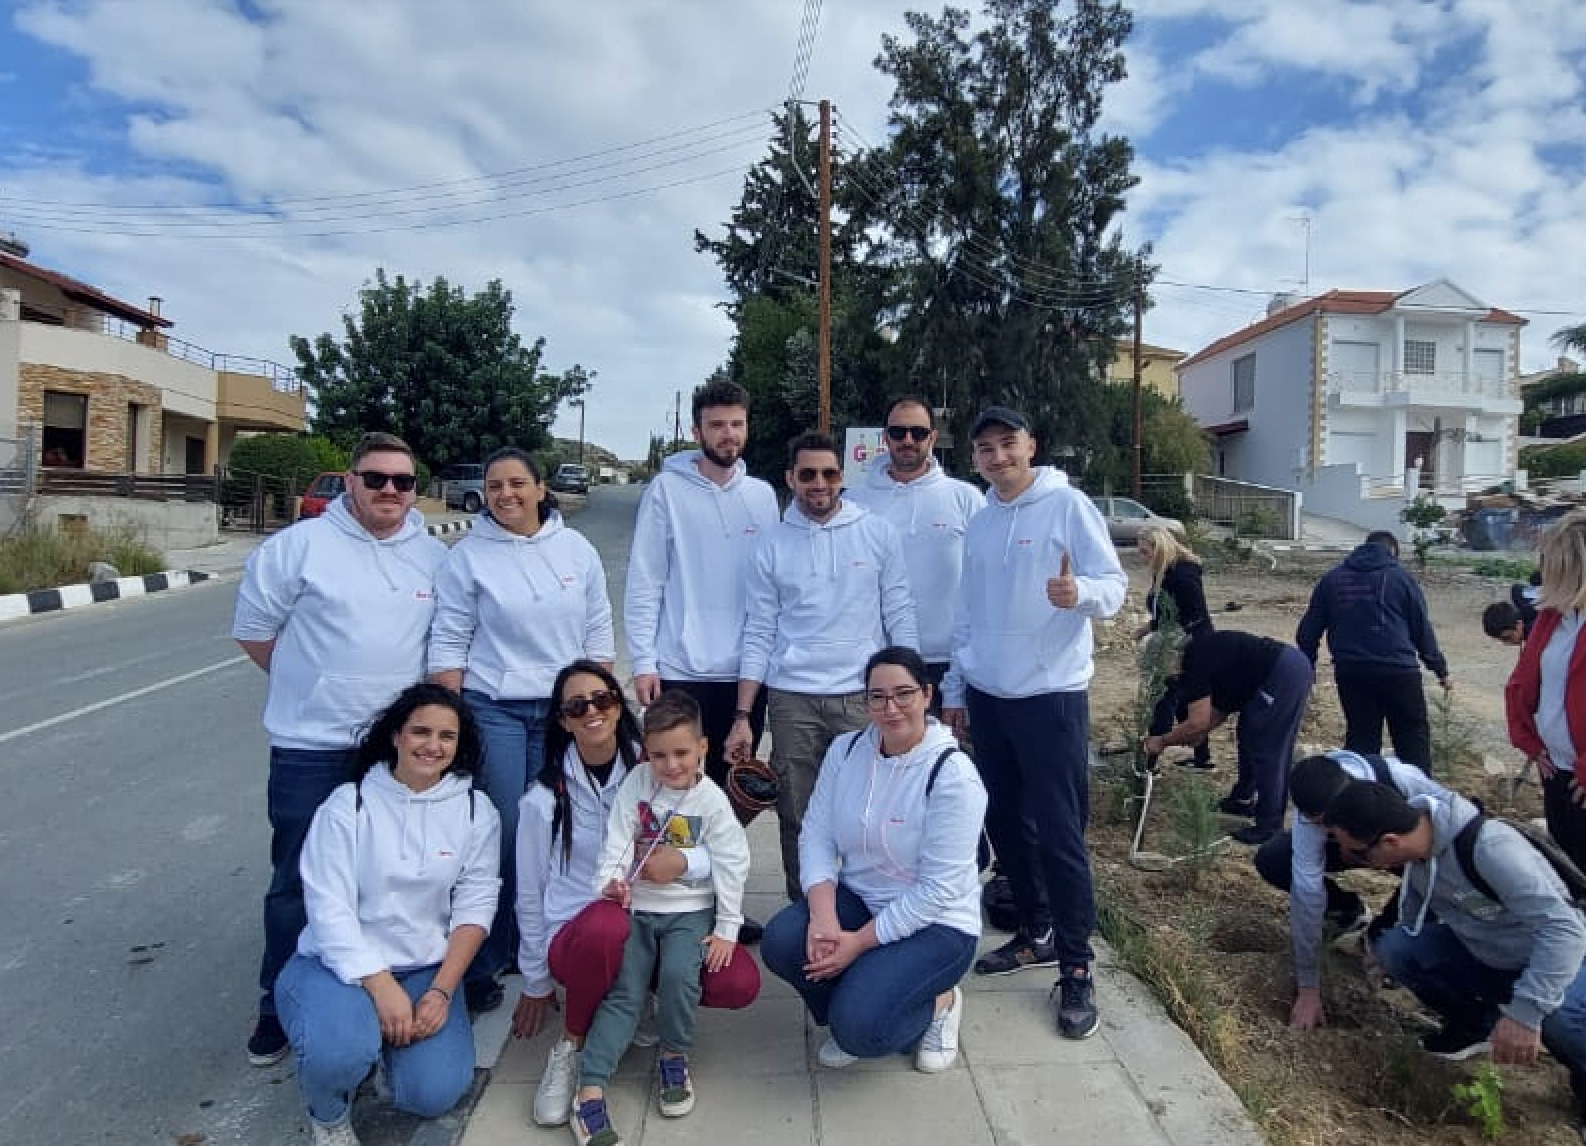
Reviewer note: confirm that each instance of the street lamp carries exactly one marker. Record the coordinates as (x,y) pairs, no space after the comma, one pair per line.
(579,402)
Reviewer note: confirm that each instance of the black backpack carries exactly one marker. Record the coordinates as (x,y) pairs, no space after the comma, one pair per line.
(1465,851)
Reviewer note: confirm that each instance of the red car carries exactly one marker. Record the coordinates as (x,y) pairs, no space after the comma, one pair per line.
(323,490)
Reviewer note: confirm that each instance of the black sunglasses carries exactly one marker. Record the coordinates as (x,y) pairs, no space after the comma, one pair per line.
(602,702)
(374,479)
(918,433)
(810,474)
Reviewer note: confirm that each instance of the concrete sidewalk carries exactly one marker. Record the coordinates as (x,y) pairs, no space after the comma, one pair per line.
(1138,1081)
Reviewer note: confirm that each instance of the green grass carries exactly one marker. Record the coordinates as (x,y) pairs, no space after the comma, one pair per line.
(47,559)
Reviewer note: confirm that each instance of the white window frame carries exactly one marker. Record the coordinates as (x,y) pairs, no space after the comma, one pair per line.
(1420,356)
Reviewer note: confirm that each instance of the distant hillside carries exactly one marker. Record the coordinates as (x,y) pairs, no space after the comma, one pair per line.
(594,454)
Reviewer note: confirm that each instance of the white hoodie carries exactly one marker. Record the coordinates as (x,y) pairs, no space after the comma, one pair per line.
(695,818)
(931,514)
(349,614)
(386,884)
(692,542)
(822,598)
(551,892)
(1008,639)
(514,610)
(910,857)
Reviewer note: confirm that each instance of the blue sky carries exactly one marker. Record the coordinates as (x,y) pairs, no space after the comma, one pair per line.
(1420,138)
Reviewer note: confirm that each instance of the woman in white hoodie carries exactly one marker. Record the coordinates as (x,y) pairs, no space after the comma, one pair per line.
(891,913)
(567,935)
(400,882)
(518,597)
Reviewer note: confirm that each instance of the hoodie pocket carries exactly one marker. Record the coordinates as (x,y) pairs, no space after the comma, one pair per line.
(350,700)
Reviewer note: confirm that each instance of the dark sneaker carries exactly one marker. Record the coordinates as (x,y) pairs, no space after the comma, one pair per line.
(751,930)
(1018,954)
(1252,835)
(1455,1043)
(1229,806)
(1075,994)
(1198,764)
(676,1097)
(267,1045)
(483,995)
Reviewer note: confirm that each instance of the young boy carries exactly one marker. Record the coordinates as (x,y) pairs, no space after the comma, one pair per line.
(677,925)
(1502,622)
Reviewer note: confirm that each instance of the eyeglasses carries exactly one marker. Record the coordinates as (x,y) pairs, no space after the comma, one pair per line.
(810,473)
(918,433)
(902,698)
(601,701)
(374,479)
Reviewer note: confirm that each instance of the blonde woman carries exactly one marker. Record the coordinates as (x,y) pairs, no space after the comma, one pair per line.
(1176,576)
(1546,696)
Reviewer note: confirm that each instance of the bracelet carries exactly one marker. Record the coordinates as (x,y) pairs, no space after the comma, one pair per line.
(442,992)
(742,714)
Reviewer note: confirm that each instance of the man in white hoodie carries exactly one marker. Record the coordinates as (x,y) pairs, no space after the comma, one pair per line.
(931,513)
(826,589)
(336,610)
(1038,566)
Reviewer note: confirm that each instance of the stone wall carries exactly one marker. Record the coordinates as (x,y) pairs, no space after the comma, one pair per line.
(108,398)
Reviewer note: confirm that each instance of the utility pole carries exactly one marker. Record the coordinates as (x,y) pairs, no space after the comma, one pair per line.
(1139,332)
(579,402)
(825,273)
(677,418)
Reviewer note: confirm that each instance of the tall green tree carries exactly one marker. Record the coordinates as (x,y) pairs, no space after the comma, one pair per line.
(995,206)
(439,367)
(1571,338)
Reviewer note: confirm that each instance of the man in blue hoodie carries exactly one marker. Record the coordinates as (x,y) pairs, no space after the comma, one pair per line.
(1374,615)
(1038,567)
(1501,964)
(337,611)
(826,589)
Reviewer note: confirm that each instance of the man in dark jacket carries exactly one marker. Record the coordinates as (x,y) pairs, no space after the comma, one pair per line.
(1374,615)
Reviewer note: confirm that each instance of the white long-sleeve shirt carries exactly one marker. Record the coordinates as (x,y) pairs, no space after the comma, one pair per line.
(388,879)
(821,598)
(692,542)
(349,614)
(513,610)
(931,514)
(910,856)
(1008,639)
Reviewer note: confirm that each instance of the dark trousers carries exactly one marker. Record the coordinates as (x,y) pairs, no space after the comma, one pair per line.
(1170,709)
(1269,724)
(1370,697)
(300,781)
(718,700)
(1033,754)
(934,672)
(1566,820)
(1275,863)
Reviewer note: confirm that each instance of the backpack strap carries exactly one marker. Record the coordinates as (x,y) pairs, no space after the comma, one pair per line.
(1380,770)
(936,769)
(853,739)
(1465,852)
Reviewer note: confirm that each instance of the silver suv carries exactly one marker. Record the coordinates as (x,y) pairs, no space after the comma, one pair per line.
(570,477)
(463,487)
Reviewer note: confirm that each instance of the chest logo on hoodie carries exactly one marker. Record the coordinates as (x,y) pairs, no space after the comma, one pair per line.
(424,594)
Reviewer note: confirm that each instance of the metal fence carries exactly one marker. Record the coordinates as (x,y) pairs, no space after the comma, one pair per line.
(1250,510)
(18,478)
(255,502)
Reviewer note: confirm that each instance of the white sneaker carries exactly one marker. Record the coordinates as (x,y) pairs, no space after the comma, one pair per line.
(553,1100)
(939,1045)
(833,1056)
(339,1134)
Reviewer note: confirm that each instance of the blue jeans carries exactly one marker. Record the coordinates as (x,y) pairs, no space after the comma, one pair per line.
(513,735)
(1033,753)
(300,781)
(335,1033)
(883,1002)
(1444,975)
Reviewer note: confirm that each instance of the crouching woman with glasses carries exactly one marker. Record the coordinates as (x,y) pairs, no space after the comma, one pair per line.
(891,914)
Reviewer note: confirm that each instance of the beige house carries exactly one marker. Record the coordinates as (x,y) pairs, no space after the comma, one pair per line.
(112,391)
(1157,365)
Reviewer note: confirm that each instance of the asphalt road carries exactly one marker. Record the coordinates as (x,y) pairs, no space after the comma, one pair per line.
(133,855)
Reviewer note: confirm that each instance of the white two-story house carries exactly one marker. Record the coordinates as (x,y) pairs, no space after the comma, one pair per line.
(1361,399)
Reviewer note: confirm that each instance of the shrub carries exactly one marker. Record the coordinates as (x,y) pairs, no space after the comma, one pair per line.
(297,459)
(1554,461)
(47,559)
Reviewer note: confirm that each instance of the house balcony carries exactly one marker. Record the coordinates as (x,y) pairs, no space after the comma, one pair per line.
(1447,390)
(260,396)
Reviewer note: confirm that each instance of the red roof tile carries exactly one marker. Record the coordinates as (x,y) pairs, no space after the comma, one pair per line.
(82,292)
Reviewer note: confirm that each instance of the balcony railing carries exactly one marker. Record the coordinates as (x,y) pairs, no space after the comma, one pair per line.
(282,378)
(1452,383)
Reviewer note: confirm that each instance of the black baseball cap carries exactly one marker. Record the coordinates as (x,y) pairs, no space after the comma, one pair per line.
(998,416)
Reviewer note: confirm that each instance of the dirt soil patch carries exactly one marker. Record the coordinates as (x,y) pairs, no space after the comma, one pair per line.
(1213,938)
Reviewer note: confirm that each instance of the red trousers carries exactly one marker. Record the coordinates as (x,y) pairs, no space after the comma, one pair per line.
(587,952)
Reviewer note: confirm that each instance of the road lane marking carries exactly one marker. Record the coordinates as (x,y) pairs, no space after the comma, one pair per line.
(27,729)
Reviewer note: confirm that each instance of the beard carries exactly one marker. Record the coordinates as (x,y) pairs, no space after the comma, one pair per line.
(717,457)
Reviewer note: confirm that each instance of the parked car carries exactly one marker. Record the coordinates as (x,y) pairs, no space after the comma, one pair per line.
(570,477)
(1127,517)
(323,490)
(463,487)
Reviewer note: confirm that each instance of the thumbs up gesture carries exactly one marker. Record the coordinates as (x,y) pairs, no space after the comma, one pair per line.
(1063,590)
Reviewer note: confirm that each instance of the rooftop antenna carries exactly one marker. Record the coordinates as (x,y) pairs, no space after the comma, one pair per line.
(13,244)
